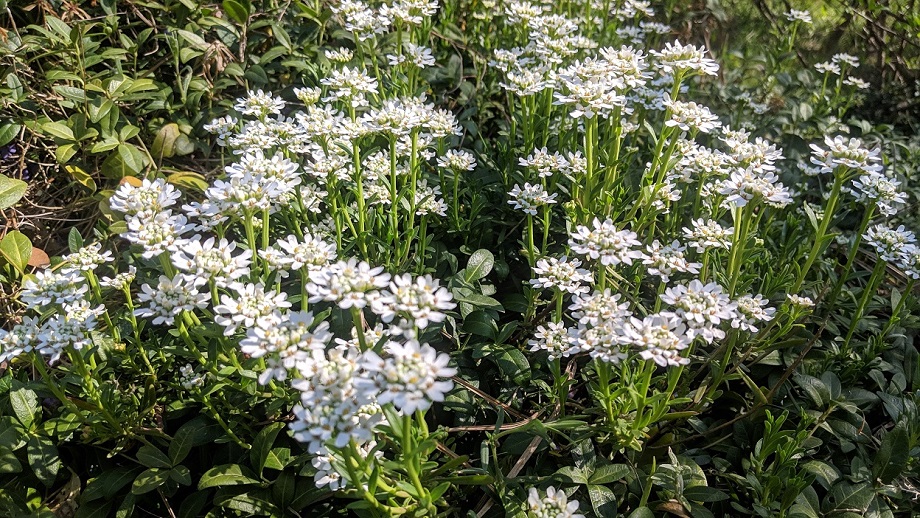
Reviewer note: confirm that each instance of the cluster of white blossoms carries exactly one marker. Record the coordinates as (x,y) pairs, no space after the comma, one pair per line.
(891,244)
(552,504)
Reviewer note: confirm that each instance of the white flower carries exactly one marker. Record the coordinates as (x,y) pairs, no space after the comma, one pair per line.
(50,287)
(409,377)
(800,301)
(605,243)
(87,258)
(795,15)
(883,191)
(211,262)
(529,198)
(349,284)
(751,310)
(676,59)
(554,504)
(22,339)
(331,408)
(857,82)
(351,85)
(310,252)
(158,233)
(250,305)
(910,261)
(68,328)
(828,68)
(703,307)
(659,337)
(223,127)
(285,341)
(663,261)
(598,307)
(189,379)
(544,163)
(340,55)
(121,281)
(170,298)
(457,161)
(708,234)
(418,55)
(259,104)
(843,152)
(149,197)
(421,299)
(552,338)
(562,274)
(689,116)
(889,242)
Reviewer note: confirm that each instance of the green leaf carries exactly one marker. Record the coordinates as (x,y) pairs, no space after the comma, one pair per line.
(81,176)
(572,474)
(12,435)
(238,10)
(109,483)
(850,497)
(603,501)
(127,160)
(16,248)
(609,473)
(262,446)
(814,388)
(149,480)
(227,475)
(43,457)
(25,405)
(11,191)
(480,323)
(892,456)
(284,490)
(8,132)
(479,265)
(152,457)
(826,473)
(182,475)
(8,461)
(164,145)
(704,494)
(196,432)
(72,93)
(74,240)
(642,512)
(59,130)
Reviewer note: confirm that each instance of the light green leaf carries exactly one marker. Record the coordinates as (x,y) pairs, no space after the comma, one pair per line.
(11,191)
(227,475)
(25,405)
(16,248)
(479,265)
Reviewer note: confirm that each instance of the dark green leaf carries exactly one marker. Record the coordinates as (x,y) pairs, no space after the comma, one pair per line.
(8,461)
(227,475)
(43,458)
(149,480)
(892,456)
(152,457)
(603,501)
(262,446)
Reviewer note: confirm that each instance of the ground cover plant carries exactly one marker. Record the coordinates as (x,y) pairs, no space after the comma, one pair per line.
(471,258)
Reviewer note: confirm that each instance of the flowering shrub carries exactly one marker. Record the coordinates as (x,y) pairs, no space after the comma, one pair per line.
(380,306)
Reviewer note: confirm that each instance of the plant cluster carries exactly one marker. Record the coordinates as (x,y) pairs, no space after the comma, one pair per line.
(554,283)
